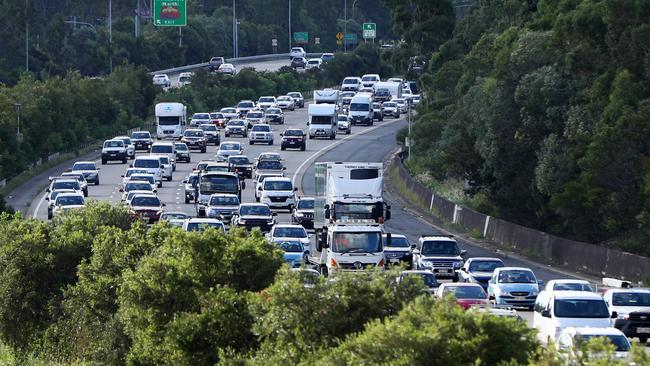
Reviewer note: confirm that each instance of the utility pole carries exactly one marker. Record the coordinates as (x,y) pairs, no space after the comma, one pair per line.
(408,110)
(180,37)
(345,26)
(26,37)
(19,136)
(110,36)
(290,26)
(234,31)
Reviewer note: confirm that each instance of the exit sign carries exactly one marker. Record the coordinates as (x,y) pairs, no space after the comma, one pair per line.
(170,13)
(369,30)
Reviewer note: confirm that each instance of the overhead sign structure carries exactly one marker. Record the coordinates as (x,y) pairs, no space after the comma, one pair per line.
(369,30)
(170,13)
(300,37)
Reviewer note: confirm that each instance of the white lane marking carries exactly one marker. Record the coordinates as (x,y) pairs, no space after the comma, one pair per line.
(38,207)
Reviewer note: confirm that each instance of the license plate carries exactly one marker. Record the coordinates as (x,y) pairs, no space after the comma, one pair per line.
(113,154)
(394,260)
(444,271)
(520,298)
(643,330)
(320,132)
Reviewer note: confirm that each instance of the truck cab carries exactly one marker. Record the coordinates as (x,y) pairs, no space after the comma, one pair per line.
(322,121)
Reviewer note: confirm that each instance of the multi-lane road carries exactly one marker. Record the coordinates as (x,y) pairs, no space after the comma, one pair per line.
(273,65)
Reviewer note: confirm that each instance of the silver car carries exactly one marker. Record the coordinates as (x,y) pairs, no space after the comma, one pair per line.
(261,133)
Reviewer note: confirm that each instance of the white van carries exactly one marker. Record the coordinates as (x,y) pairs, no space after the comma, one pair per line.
(562,309)
(165,148)
(369,80)
(151,164)
(322,121)
(361,110)
(170,120)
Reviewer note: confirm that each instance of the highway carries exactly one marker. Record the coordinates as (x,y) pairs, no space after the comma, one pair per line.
(273,65)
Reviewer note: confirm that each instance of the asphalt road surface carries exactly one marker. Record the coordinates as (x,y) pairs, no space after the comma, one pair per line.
(259,66)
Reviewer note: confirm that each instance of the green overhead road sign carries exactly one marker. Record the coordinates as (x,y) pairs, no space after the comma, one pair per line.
(351,38)
(300,37)
(369,30)
(170,13)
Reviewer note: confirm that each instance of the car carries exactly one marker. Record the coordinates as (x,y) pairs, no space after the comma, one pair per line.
(129,196)
(327,57)
(241,165)
(252,215)
(293,138)
(151,164)
(129,172)
(199,119)
(174,218)
(142,177)
(218,119)
(201,165)
(136,186)
(466,294)
(130,148)
(244,107)
(269,166)
(185,78)
(298,99)
(396,80)
(299,62)
(514,286)
(227,69)
(314,64)
(399,251)
(351,83)
(162,80)
(146,207)
(571,341)
(190,186)
(343,123)
(416,99)
(220,166)
(222,206)
(378,111)
(211,134)
(274,115)
(303,212)
(254,117)
(216,62)
(367,90)
(632,306)
(88,169)
(62,183)
(200,224)
(266,102)
(194,138)
(368,80)
(259,180)
(166,167)
(391,109)
(78,176)
(278,193)
(183,152)
(427,277)
(67,201)
(569,285)
(295,252)
(297,52)
(439,254)
(401,104)
(479,270)
(236,127)
(114,150)
(142,140)
(280,232)
(286,102)
(229,113)
(51,199)
(261,133)
(167,148)
(346,98)
(563,309)
(269,156)
(228,148)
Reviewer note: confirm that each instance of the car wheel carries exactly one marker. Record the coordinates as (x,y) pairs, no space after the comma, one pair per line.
(49,216)
(187,199)
(169,179)
(85,193)
(332,137)
(227,135)
(643,340)
(97,181)
(282,148)
(271,142)
(302,148)
(160,184)
(311,137)
(323,270)
(250,142)
(204,150)
(381,118)
(349,131)
(257,199)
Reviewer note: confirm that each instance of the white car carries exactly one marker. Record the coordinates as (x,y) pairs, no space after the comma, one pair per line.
(142,177)
(391,109)
(222,206)
(201,224)
(229,113)
(162,80)
(278,192)
(67,201)
(51,198)
(289,232)
(167,148)
(151,164)
(166,167)
(369,80)
(114,150)
(297,52)
(572,339)
(200,118)
(129,196)
(185,78)
(244,107)
(88,169)
(266,102)
(259,180)
(174,218)
(129,172)
(351,83)
(228,148)
(286,102)
(227,69)
(136,186)
(255,117)
(632,306)
(130,147)
(314,63)
(401,104)
(261,133)
(343,123)
(569,285)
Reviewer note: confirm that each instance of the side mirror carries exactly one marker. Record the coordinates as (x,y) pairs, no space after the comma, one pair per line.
(99,168)
(463,253)
(184,180)
(547,313)
(47,190)
(121,189)
(614,315)
(122,175)
(307,123)
(388,212)
(68,170)
(243,185)
(164,204)
(274,214)
(295,189)
(491,297)
(540,283)
(413,246)
(130,166)
(155,191)
(284,168)
(327,211)
(323,239)
(47,198)
(281,133)
(259,188)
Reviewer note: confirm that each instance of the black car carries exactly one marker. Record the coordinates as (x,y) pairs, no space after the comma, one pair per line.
(182,152)
(399,251)
(303,212)
(211,133)
(298,99)
(241,165)
(293,138)
(252,215)
(297,62)
(195,139)
(141,140)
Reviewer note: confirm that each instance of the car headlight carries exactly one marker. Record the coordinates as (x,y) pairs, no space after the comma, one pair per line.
(299,214)
(458,264)
(534,292)
(426,264)
(243,222)
(623,316)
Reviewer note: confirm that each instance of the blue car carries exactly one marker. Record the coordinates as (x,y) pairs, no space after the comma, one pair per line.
(295,253)
(514,286)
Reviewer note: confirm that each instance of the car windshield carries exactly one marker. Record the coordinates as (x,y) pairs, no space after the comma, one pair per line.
(229,147)
(265,100)
(465,292)
(130,172)
(273,111)
(347,94)
(620,342)
(516,276)
(193,133)
(216,115)
(306,204)
(261,128)
(224,201)
(69,200)
(219,183)
(313,62)
(147,163)
(228,110)
(79,177)
(399,101)
(275,185)
(293,133)
(237,122)
(442,247)
(581,308)
(369,78)
(71,184)
(382,92)
(84,166)
(216,168)
(151,201)
(399,242)
(573,286)
(208,127)
(137,186)
(246,105)
(114,143)
(289,232)
(321,120)
(284,98)
(350,81)
(255,115)
(143,178)
(342,118)
(631,299)
(202,226)
(294,95)
(173,216)
(126,140)
(484,266)
(296,50)
(290,246)
(192,180)
(255,210)
(357,242)
(429,279)
(238,160)
(181,147)
(184,78)
(201,116)
(390,105)
(141,135)
(269,156)
(162,149)
(269,165)
(359,107)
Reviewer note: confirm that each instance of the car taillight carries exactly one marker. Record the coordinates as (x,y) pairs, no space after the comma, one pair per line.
(333,262)
(381,263)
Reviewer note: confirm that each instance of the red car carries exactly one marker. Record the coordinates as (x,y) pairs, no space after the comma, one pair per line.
(218,119)
(466,294)
(146,207)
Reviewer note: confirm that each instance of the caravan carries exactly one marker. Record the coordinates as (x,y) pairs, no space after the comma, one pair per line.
(171,119)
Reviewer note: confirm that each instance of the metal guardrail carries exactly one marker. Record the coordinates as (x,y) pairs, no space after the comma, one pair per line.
(238,60)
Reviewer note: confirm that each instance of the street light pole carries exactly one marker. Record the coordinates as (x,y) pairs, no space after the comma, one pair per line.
(110,36)
(234,31)
(289,26)
(345,25)
(409,119)
(26,37)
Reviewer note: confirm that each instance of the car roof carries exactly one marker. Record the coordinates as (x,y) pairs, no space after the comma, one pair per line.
(163,143)
(576,295)
(223,195)
(69,194)
(204,219)
(460,284)
(250,204)
(593,331)
(568,280)
(147,157)
(412,271)
(438,238)
(629,290)
(84,162)
(396,235)
(288,225)
(503,269)
(277,179)
(485,259)
(65,180)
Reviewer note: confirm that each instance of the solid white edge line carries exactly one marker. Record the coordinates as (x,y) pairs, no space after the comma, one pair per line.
(38,207)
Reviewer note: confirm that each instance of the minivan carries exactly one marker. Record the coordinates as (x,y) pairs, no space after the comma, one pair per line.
(361,111)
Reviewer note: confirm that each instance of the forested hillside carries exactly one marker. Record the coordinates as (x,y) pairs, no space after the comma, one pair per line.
(543,108)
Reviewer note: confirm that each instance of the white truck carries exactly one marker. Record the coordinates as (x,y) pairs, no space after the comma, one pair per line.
(171,119)
(387,90)
(349,212)
(323,121)
(329,96)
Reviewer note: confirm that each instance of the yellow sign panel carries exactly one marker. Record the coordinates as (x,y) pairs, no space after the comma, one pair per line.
(339,36)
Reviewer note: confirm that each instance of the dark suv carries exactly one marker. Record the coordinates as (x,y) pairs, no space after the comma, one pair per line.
(297,62)
(293,138)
